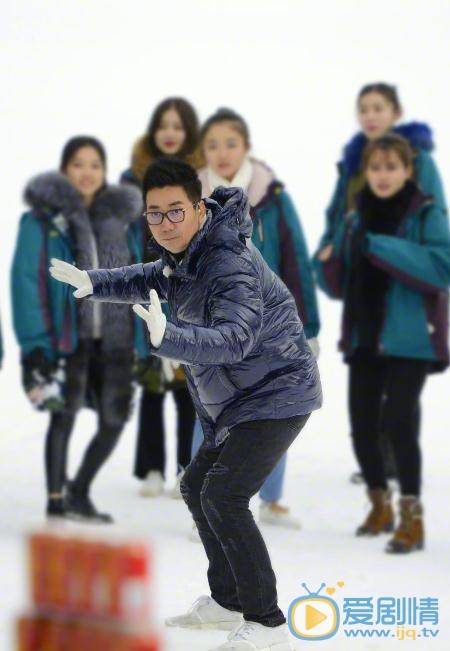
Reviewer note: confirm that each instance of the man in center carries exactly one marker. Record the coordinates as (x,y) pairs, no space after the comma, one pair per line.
(252,376)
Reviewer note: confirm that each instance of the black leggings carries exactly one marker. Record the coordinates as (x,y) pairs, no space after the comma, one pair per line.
(150,448)
(386,391)
(109,379)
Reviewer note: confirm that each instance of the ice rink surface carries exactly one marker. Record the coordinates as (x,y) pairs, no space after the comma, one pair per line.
(293,69)
(317,490)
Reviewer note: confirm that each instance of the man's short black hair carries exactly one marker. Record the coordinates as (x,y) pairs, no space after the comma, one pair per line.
(173,172)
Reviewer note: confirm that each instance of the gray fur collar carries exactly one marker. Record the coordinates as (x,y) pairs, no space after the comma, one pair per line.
(52,192)
(98,239)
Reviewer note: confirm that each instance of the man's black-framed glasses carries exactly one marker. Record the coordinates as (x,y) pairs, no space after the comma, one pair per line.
(175,215)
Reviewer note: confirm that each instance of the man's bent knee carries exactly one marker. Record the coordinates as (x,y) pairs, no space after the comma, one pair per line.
(190,492)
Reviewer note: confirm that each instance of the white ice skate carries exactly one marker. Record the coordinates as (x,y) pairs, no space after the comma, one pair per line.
(251,636)
(153,484)
(206,613)
(278,515)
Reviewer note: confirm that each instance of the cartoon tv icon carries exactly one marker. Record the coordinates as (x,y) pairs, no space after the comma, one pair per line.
(312,617)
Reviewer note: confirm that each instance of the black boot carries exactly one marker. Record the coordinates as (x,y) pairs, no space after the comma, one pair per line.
(80,507)
(56,507)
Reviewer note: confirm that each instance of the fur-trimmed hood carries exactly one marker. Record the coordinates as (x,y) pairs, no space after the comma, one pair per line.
(141,158)
(53,192)
(418,134)
(98,238)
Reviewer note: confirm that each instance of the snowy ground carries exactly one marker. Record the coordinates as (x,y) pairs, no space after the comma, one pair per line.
(317,488)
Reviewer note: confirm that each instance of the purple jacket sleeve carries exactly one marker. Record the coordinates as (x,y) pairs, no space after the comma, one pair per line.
(129,284)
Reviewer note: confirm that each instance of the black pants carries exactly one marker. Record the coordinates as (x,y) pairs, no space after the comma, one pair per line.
(217,487)
(109,380)
(386,391)
(150,448)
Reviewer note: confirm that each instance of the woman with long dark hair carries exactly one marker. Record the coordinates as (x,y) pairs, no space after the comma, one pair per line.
(173,130)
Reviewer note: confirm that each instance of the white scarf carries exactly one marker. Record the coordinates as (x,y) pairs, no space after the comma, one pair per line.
(241,179)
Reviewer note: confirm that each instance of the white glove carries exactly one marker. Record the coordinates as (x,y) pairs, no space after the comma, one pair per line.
(168,367)
(67,273)
(314,345)
(154,317)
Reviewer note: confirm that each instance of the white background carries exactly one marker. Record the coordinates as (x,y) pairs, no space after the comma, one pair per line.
(292,68)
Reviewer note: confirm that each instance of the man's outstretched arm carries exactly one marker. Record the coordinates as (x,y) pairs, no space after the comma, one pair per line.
(130,284)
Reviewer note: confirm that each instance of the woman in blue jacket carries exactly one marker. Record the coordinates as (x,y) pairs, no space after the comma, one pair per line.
(72,351)
(252,376)
(390,263)
(277,234)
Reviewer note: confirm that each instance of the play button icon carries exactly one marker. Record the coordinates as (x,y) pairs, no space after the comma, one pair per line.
(313,617)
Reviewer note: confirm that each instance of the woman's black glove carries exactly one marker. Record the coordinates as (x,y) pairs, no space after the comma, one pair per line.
(43,380)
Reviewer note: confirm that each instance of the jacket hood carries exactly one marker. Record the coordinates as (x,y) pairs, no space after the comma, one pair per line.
(227,225)
(262,183)
(50,192)
(122,202)
(53,192)
(418,134)
(229,213)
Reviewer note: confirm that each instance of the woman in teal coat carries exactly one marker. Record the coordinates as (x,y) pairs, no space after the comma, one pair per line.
(390,263)
(72,351)
(378,110)
(278,234)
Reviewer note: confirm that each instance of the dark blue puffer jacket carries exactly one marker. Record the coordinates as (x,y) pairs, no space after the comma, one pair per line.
(234,324)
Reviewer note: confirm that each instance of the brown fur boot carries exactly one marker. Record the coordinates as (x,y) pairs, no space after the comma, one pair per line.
(381,516)
(409,534)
